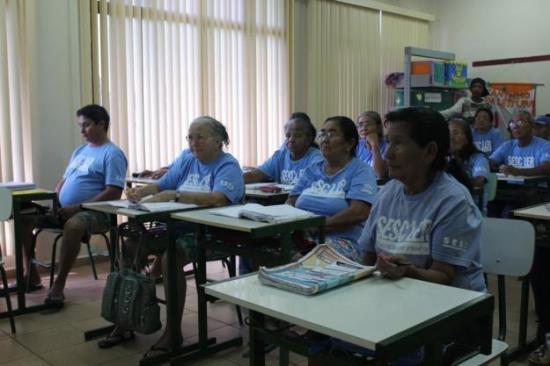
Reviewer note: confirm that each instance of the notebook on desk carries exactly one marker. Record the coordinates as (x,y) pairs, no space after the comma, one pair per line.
(15,186)
(152,206)
(269,214)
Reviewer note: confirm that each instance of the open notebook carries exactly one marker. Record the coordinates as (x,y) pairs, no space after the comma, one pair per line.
(257,212)
(152,206)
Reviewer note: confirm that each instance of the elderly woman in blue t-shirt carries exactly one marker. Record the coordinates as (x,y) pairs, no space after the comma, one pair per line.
(207,176)
(287,164)
(340,187)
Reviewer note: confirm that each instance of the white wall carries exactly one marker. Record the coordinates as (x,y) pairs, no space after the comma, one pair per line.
(492,29)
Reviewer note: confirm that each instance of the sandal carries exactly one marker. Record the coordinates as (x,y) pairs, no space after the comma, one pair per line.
(54,299)
(115,339)
(155,351)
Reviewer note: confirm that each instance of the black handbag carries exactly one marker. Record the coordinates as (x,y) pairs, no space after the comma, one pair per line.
(129,298)
(130,301)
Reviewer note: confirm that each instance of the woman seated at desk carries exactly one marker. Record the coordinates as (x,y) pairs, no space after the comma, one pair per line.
(206,177)
(485,136)
(340,187)
(372,144)
(474,162)
(424,224)
(299,151)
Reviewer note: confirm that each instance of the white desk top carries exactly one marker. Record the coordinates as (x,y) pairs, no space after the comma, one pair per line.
(363,313)
(204,217)
(105,207)
(520,179)
(541,212)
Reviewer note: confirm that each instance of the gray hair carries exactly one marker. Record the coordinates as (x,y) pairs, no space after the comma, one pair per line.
(217,129)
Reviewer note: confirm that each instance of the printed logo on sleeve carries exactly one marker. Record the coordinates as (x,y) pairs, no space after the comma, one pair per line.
(227,184)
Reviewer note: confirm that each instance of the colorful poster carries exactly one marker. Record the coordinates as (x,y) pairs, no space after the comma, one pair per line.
(514,96)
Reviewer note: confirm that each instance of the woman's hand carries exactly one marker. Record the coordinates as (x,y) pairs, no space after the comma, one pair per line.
(508,170)
(373,140)
(393,267)
(133,194)
(163,196)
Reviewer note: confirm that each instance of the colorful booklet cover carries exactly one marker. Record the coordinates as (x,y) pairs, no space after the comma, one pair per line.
(321,269)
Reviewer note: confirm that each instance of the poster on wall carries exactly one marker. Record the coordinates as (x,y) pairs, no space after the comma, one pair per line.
(514,96)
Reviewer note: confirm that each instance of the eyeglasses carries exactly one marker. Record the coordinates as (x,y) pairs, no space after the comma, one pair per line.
(328,134)
(518,123)
(196,138)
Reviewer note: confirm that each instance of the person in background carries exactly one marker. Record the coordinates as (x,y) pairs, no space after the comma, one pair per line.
(340,187)
(466,107)
(298,152)
(372,145)
(96,172)
(474,162)
(157,174)
(485,136)
(525,154)
(541,127)
(207,176)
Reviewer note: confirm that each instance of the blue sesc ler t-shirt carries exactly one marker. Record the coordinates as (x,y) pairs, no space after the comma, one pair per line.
(282,169)
(362,152)
(188,174)
(530,156)
(442,223)
(327,195)
(487,142)
(92,168)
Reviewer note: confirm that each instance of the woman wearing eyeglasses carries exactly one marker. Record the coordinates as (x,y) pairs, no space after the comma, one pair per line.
(207,176)
(372,145)
(340,187)
(525,154)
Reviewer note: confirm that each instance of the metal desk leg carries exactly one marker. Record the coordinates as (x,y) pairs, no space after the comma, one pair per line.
(19,275)
(201,280)
(172,290)
(257,356)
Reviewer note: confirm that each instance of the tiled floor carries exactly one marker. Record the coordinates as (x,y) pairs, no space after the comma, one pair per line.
(57,339)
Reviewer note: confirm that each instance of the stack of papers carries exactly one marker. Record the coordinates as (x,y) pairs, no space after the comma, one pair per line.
(269,214)
(152,206)
(321,269)
(259,186)
(13,186)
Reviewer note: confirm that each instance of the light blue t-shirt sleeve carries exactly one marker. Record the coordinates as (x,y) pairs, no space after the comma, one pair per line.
(497,139)
(363,184)
(229,181)
(273,165)
(545,152)
(174,175)
(115,170)
(499,155)
(456,235)
(69,167)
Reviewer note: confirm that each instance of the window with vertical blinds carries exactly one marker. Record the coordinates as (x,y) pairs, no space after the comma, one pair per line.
(159,64)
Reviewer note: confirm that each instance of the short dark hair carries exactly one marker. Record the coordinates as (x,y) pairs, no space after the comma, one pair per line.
(348,129)
(486,110)
(96,113)
(425,125)
(304,119)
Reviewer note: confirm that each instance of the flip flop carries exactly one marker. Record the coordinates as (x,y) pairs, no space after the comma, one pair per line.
(115,339)
(52,299)
(155,351)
